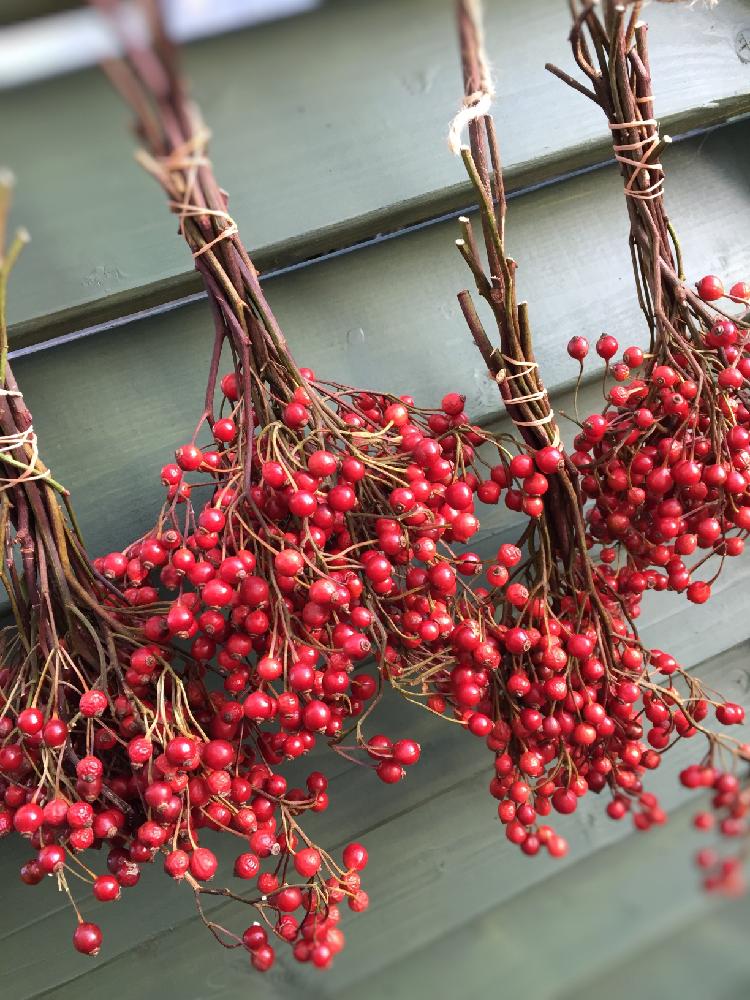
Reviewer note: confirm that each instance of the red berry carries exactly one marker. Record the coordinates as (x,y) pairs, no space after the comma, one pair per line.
(549,460)
(116,563)
(453,404)
(633,357)
(307,862)
(189,457)
(225,430)
(389,772)
(699,592)
(355,857)
(729,714)
(406,752)
(87,938)
(578,348)
(55,733)
(521,466)
(106,888)
(295,415)
(230,386)
(92,703)
(246,866)
(27,819)
(740,291)
(203,864)
(607,346)
(30,721)
(710,288)
(177,863)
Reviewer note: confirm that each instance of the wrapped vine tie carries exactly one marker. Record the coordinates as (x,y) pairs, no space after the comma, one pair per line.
(644,167)
(332,525)
(24,442)
(555,678)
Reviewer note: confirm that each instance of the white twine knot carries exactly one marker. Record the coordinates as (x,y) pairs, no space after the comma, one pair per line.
(478,103)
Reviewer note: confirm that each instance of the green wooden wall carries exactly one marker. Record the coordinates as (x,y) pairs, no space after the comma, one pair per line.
(329,131)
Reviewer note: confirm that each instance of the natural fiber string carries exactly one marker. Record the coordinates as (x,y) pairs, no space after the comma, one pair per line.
(642,166)
(478,103)
(531,397)
(22,440)
(177,173)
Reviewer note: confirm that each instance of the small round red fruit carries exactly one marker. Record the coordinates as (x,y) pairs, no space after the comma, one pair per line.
(87,938)
(710,288)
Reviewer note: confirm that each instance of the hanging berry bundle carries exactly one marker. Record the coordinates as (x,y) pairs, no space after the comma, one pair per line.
(309,529)
(552,673)
(110,736)
(72,730)
(667,464)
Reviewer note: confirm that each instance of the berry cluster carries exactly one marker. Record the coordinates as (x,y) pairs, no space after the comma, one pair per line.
(730,805)
(553,674)
(147,795)
(667,463)
(254,640)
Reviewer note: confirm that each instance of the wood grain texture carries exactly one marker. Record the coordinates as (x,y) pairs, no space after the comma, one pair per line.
(328,129)
(438,862)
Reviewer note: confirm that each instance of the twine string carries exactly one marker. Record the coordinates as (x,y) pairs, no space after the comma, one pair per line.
(541,394)
(178,174)
(26,442)
(640,167)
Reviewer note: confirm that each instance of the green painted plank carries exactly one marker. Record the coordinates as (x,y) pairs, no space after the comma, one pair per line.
(433,868)
(707,957)
(329,129)
(562,931)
